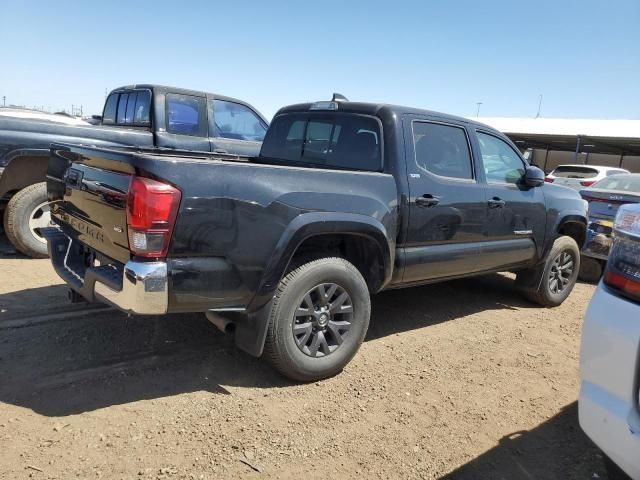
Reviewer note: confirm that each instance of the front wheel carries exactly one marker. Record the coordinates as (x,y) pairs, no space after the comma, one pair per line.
(26,215)
(551,283)
(319,318)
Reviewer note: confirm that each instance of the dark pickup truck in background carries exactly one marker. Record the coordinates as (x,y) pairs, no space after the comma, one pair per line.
(344,200)
(135,115)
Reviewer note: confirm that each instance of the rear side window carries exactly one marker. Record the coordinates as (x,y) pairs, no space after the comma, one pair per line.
(345,141)
(442,150)
(128,108)
(122,108)
(575,172)
(110,107)
(186,115)
(237,121)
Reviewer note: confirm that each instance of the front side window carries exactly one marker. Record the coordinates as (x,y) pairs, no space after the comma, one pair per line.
(186,115)
(346,141)
(237,121)
(442,150)
(501,163)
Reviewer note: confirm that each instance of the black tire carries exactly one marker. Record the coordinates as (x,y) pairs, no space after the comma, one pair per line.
(17,216)
(590,269)
(286,351)
(538,284)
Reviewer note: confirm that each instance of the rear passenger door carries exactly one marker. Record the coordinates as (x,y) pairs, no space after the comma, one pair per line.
(516,214)
(182,122)
(235,128)
(446,204)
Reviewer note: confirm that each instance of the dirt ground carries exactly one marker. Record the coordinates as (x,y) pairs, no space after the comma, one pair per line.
(462,380)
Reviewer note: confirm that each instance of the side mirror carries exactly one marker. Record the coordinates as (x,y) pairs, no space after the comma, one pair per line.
(533,177)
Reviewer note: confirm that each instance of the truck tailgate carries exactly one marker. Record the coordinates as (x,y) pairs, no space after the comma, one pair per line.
(88,193)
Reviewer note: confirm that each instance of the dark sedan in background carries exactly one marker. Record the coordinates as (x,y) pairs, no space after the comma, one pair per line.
(604,197)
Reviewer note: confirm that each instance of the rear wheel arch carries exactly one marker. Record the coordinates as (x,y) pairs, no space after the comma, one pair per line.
(305,233)
(316,227)
(25,167)
(361,250)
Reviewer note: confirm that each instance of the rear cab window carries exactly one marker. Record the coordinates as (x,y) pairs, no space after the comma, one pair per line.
(128,108)
(329,140)
(575,172)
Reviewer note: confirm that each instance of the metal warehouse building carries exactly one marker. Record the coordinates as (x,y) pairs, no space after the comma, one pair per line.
(555,141)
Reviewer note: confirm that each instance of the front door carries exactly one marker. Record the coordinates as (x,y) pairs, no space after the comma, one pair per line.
(516,214)
(446,204)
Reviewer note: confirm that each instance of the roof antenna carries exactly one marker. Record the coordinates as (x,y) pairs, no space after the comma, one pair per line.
(539,105)
(337,97)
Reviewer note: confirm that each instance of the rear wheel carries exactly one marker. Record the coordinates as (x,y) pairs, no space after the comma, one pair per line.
(551,283)
(26,215)
(319,317)
(590,269)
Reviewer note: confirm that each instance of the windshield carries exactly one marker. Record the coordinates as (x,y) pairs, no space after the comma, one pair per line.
(575,172)
(620,183)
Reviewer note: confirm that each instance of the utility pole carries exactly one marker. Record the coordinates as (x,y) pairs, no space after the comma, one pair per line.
(539,106)
(478,109)
(4,101)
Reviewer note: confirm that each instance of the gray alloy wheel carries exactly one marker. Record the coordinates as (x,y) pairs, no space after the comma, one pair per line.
(319,317)
(551,282)
(322,320)
(560,272)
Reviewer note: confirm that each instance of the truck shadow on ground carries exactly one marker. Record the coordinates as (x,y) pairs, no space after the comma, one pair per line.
(554,450)
(61,364)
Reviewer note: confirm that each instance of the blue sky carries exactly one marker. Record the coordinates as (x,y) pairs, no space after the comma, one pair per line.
(583,56)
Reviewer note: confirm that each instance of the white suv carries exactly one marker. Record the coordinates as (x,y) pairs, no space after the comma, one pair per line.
(610,354)
(580,176)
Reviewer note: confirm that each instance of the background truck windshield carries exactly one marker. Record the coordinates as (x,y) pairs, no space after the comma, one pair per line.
(330,140)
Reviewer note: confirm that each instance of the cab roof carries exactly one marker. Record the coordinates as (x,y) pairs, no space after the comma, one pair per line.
(383,111)
(163,89)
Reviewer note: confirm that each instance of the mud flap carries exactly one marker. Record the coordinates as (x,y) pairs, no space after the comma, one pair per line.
(251,330)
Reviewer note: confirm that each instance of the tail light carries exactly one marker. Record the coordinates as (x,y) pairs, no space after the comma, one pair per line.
(587,183)
(623,266)
(151,214)
(549,179)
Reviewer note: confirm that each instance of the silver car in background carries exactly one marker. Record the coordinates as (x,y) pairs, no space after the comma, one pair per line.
(581,176)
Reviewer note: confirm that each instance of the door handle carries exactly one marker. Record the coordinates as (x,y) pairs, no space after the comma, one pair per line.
(496,202)
(220,150)
(427,200)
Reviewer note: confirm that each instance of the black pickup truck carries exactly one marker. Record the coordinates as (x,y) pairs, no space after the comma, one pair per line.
(345,200)
(135,115)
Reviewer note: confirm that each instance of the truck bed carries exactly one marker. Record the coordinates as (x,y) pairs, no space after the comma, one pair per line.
(236,214)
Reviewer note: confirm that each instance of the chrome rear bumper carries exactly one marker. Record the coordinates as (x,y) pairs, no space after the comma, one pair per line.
(135,287)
